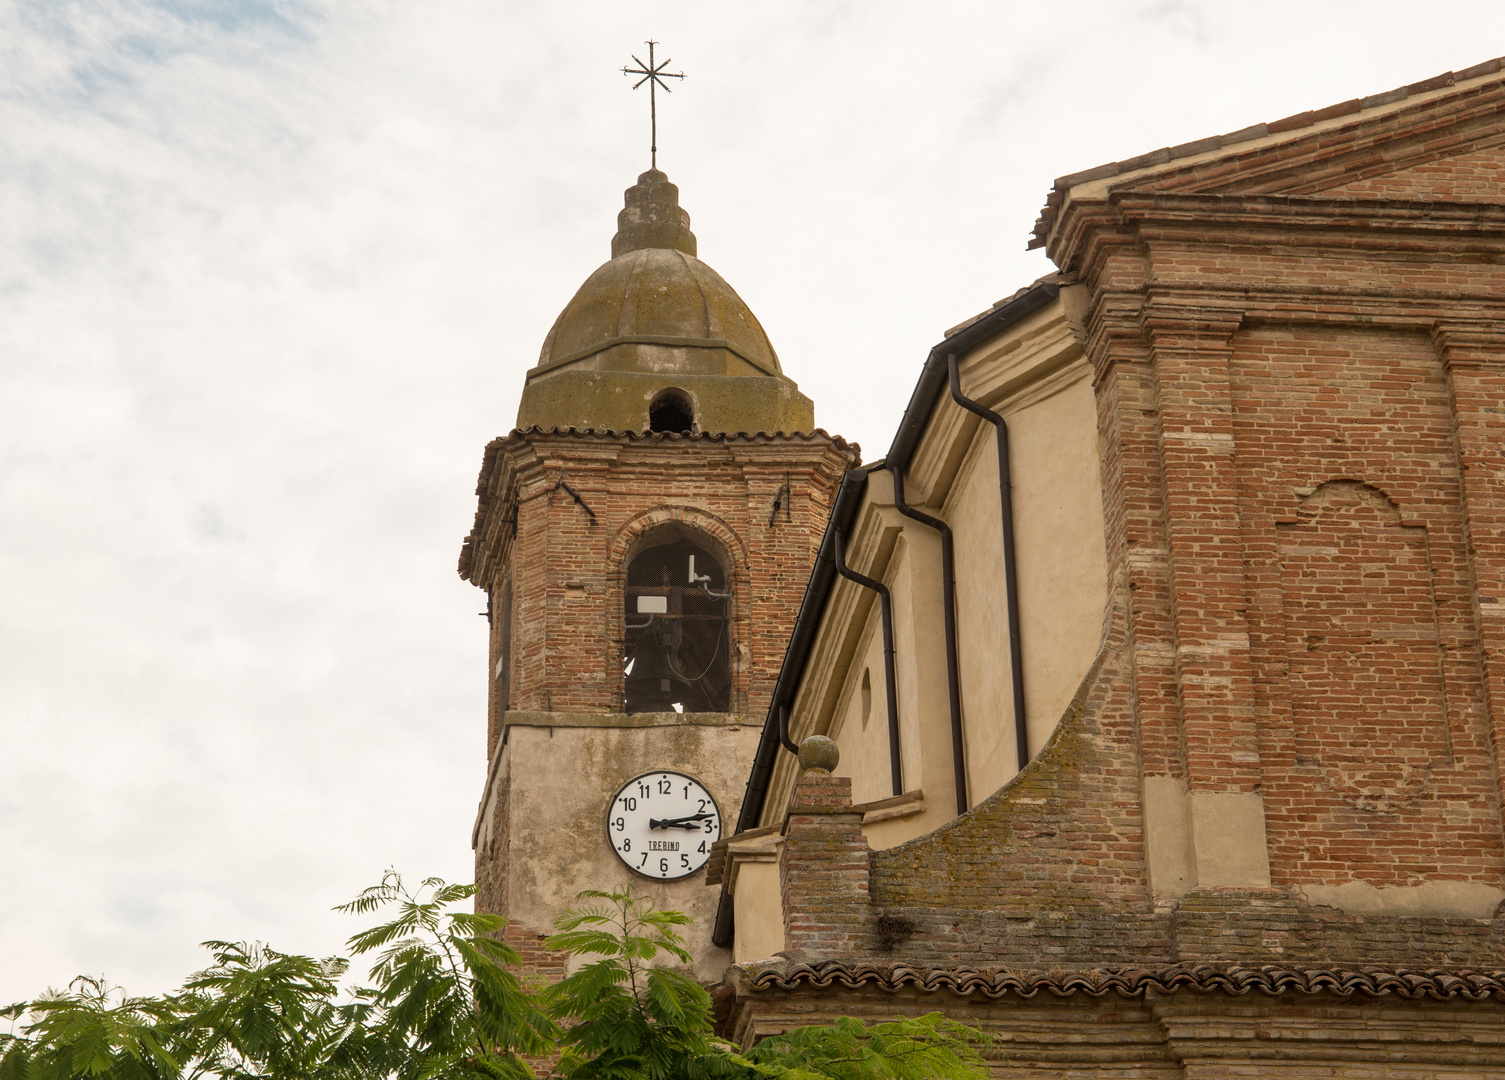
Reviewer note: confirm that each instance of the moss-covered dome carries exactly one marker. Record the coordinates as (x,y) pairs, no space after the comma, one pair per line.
(656,320)
(660,310)
(655,306)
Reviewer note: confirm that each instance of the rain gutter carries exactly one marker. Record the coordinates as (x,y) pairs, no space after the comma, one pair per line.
(932,384)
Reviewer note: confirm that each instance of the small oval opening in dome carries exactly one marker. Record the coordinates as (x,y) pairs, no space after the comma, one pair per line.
(671,411)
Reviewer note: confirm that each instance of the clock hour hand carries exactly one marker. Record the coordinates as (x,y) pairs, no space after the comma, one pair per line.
(689,823)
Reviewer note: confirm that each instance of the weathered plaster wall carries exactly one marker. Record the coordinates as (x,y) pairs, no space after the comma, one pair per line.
(861,709)
(561,771)
(1034,374)
(1062,568)
(760,929)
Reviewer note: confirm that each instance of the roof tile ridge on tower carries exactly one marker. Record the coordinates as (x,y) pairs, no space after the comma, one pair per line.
(1293,123)
(814,435)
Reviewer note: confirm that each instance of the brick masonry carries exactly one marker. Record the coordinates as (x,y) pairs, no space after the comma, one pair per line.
(554,569)
(1299,357)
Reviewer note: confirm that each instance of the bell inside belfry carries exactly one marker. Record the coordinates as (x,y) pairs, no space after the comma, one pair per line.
(676,655)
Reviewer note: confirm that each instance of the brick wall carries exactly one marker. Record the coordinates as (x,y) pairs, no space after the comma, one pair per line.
(1302,434)
(566,565)
(823,868)
(1186,1033)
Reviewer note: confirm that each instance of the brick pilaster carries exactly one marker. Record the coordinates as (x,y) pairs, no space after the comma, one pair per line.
(1473,354)
(823,869)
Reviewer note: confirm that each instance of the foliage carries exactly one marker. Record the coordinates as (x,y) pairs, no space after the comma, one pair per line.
(626,1019)
(443,1005)
(257,1013)
(623,1017)
(92,1029)
(928,1047)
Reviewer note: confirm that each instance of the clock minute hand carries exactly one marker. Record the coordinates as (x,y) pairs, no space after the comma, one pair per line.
(677,823)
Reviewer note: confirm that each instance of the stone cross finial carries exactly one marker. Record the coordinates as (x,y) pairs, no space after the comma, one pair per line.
(654,75)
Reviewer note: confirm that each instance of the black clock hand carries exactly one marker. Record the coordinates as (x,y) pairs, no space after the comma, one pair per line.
(679,823)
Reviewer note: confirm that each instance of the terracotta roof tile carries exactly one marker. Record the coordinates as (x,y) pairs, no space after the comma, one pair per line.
(1134,981)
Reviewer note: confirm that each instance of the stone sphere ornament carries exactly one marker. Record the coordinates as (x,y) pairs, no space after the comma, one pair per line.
(819,752)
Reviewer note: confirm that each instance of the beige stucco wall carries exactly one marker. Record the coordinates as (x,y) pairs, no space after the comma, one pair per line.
(1034,374)
(864,756)
(758,911)
(1062,569)
(562,769)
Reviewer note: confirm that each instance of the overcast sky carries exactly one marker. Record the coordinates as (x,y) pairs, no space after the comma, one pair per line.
(272,273)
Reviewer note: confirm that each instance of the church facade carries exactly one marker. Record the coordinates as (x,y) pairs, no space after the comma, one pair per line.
(1241,814)
(1144,705)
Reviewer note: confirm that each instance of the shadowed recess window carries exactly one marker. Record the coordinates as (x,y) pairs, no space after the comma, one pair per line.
(677,647)
(671,411)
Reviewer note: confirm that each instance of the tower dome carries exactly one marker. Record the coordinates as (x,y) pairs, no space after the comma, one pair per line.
(656,325)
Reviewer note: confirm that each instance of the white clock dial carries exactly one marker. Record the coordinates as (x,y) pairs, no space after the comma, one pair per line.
(662,825)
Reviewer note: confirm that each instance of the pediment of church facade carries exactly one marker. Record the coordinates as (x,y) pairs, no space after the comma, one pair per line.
(1440,140)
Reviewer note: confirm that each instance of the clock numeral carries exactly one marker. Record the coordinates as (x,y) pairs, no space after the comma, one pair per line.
(620,824)
(645,860)
(687,793)
(684,860)
(628,802)
(663,866)
(710,825)
(644,791)
(701,849)
(627,844)
(664,787)
(701,808)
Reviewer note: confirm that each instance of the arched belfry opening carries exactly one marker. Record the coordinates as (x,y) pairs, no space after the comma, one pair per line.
(676,653)
(671,411)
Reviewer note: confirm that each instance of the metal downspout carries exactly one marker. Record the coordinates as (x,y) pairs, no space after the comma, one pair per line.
(948,587)
(1010,567)
(885,604)
(784,739)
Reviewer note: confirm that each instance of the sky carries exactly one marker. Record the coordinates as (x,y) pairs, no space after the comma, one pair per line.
(271,274)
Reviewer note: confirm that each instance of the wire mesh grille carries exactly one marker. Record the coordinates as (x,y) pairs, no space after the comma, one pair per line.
(677,647)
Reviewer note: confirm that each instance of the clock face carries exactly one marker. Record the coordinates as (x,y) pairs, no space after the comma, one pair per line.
(662,825)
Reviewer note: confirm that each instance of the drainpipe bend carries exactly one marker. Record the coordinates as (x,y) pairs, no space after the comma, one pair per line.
(885,605)
(784,739)
(1010,567)
(948,607)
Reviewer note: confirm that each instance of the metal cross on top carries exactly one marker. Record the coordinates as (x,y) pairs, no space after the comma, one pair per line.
(654,75)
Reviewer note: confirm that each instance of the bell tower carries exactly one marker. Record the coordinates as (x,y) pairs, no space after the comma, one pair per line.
(644,537)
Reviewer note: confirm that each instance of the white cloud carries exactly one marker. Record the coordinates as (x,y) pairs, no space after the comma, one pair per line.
(272,275)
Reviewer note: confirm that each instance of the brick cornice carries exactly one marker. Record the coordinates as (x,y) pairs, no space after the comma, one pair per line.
(1178,323)
(1287,219)
(513,460)
(1339,143)
(1469,343)
(1092,230)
